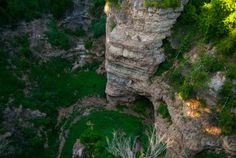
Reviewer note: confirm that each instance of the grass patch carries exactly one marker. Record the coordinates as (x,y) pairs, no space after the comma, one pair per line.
(93,130)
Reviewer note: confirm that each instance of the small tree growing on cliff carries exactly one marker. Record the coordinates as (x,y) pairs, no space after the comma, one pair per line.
(121,146)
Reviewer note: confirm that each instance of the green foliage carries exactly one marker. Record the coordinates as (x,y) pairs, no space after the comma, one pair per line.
(88,44)
(185,44)
(199,75)
(60,87)
(94,129)
(13,11)
(227,122)
(11,86)
(163,110)
(59,7)
(57,37)
(226,119)
(189,15)
(175,78)
(227,46)
(121,107)
(162,3)
(99,27)
(142,106)
(170,54)
(218,18)
(96,7)
(209,154)
(79,31)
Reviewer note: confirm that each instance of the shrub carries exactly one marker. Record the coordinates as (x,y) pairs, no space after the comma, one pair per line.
(58,8)
(142,105)
(170,54)
(227,46)
(185,44)
(218,18)
(163,110)
(13,11)
(186,91)
(227,122)
(57,37)
(96,7)
(79,31)
(162,3)
(209,154)
(99,27)
(199,75)
(88,44)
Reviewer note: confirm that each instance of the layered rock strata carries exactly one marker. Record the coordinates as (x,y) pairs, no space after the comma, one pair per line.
(133,53)
(133,45)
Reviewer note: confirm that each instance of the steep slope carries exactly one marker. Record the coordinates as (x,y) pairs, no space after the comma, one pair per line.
(135,35)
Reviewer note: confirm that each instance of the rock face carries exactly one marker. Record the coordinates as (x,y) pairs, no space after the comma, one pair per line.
(133,53)
(133,47)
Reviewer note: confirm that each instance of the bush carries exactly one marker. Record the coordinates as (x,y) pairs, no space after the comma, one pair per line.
(170,54)
(209,154)
(59,7)
(227,122)
(162,3)
(13,11)
(163,110)
(199,75)
(88,44)
(142,105)
(99,27)
(57,37)
(227,46)
(79,31)
(218,18)
(96,7)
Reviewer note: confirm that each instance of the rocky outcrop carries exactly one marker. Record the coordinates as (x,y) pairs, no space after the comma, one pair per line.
(133,47)
(133,53)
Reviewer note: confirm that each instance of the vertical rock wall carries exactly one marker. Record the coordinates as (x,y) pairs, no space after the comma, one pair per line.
(133,47)
(133,53)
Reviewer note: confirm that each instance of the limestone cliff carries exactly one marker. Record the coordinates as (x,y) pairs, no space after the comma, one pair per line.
(133,47)
(133,53)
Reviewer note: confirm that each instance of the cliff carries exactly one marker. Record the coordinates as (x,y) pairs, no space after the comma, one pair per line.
(134,51)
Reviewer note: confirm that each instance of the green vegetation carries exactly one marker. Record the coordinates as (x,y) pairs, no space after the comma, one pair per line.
(163,110)
(162,3)
(79,31)
(52,85)
(209,154)
(13,11)
(99,27)
(88,43)
(207,21)
(96,7)
(170,54)
(93,130)
(199,75)
(226,119)
(57,37)
(121,107)
(142,106)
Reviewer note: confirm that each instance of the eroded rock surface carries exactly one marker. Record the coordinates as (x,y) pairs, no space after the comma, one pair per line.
(133,47)
(133,53)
